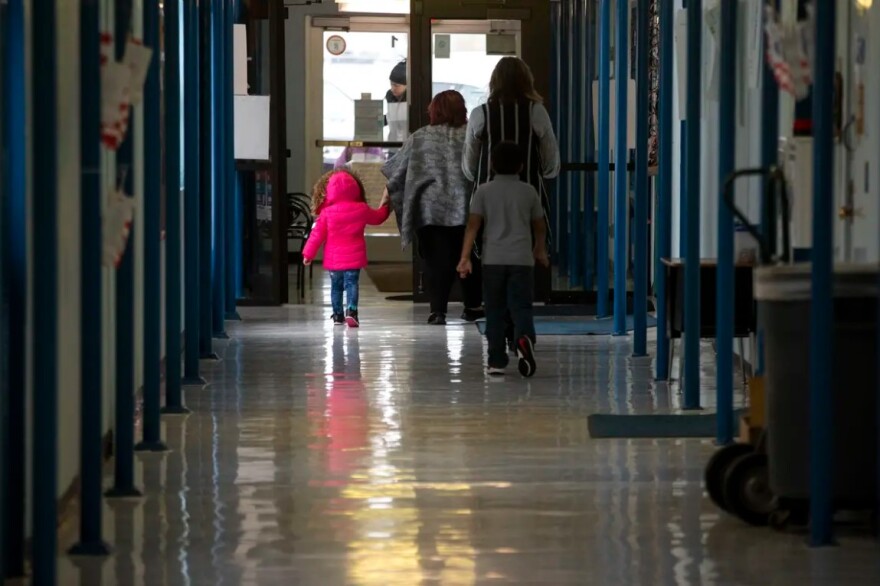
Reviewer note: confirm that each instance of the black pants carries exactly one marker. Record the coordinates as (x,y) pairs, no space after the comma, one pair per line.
(440,248)
(509,292)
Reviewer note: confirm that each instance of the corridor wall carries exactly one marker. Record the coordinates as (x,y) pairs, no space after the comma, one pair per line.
(69,170)
(864,172)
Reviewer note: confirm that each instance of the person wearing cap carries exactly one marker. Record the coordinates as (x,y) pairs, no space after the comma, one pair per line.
(396,118)
(397,93)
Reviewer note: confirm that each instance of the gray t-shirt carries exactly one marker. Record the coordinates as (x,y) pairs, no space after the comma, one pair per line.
(508,207)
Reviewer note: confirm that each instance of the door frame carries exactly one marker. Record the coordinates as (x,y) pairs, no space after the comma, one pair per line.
(316,26)
(535,38)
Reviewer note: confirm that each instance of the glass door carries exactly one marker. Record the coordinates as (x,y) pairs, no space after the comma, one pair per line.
(359,94)
(463,55)
(465,52)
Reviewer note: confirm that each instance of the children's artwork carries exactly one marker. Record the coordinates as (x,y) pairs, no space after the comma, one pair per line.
(790,50)
(116,221)
(137,58)
(115,95)
(114,103)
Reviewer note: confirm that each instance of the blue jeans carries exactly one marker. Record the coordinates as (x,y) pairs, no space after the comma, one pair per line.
(507,288)
(348,281)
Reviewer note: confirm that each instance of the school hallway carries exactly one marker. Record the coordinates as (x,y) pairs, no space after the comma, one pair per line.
(383,456)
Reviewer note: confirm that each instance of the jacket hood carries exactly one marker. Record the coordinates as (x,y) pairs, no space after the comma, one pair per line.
(342,187)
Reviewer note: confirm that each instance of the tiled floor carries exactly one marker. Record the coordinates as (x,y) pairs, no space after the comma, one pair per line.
(320,456)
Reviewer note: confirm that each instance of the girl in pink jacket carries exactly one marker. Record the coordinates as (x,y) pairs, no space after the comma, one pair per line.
(340,202)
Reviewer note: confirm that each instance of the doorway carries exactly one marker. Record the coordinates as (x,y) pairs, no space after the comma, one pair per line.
(475,35)
(356,120)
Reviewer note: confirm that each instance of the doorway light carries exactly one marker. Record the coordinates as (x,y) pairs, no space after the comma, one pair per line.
(865,4)
(374,6)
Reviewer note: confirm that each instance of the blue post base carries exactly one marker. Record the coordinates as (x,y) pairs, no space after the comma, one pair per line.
(123,493)
(640,355)
(157,446)
(233,316)
(686,408)
(209,356)
(91,549)
(221,336)
(181,410)
(822,542)
(194,382)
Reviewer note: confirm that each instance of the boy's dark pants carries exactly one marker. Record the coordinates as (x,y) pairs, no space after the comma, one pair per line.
(507,288)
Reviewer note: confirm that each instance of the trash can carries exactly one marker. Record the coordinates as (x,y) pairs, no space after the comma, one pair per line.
(783,295)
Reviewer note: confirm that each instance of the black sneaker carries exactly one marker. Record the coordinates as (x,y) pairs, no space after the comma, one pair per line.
(526,354)
(351,318)
(338,319)
(437,319)
(473,314)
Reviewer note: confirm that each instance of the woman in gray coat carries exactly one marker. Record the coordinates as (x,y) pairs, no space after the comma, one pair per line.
(430,195)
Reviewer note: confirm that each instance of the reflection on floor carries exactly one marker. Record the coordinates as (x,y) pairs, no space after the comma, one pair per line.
(383,456)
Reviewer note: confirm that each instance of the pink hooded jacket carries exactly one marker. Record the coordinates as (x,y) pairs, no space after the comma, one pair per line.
(340,225)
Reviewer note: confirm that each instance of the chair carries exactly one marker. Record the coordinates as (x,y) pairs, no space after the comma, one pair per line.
(299,227)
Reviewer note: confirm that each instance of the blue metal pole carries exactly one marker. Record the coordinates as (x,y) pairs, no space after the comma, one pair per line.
(192,191)
(556,101)
(692,207)
(15,276)
(640,268)
(152,427)
(576,67)
(725,274)
(91,453)
(173,391)
(44,345)
(5,471)
(822,308)
(603,152)
(207,180)
(663,228)
(218,118)
(123,431)
(589,58)
(233,226)
(769,144)
(621,154)
(682,188)
(565,131)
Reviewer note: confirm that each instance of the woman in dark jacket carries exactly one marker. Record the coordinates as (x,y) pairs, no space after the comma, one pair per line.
(430,195)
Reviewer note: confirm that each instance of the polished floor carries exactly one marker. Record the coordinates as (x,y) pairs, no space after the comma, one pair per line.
(383,456)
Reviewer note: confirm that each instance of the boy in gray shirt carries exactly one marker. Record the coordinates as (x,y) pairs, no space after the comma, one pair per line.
(510,213)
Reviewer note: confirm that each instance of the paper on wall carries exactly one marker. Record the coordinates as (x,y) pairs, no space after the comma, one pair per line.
(368,120)
(114,103)
(251,131)
(137,57)
(116,227)
(239,52)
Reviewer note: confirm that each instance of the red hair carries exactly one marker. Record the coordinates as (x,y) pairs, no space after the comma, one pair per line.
(448,108)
